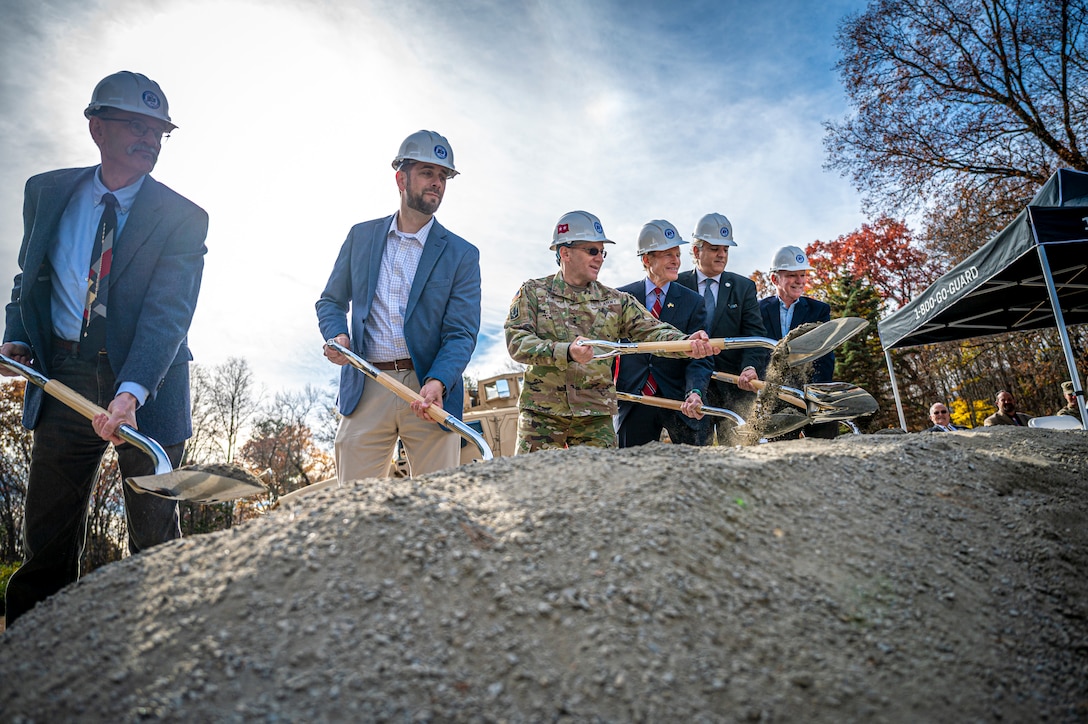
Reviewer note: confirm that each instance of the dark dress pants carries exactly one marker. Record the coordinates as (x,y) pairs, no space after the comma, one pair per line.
(64,467)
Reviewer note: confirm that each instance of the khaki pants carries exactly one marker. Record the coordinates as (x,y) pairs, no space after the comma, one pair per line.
(368,436)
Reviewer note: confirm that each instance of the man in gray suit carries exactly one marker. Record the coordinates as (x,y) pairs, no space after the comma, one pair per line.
(732,311)
(404,293)
(111,262)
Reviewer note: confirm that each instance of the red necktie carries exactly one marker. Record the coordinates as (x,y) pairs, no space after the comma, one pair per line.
(650,388)
(93,336)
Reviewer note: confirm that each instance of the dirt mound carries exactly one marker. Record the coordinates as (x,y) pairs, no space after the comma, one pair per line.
(867,578)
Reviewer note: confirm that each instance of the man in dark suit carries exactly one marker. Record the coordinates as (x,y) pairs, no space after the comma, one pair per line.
(941,419)
(412,289)
(790,309)
(1006,412)
(116,334)
(733,311)
(675,379)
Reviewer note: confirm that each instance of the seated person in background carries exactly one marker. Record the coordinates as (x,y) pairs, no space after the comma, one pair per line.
(941,419)
(1071,407)
(1006,412)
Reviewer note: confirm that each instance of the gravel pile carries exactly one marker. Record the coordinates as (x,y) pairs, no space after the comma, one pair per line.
(927,577)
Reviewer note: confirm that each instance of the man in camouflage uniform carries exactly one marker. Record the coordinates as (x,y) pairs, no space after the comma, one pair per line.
(568,397)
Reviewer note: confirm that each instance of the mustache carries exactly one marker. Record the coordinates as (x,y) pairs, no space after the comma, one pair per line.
(139,147)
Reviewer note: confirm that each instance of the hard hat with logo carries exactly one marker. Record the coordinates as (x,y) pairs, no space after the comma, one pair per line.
(575,226)
(790,258)
(426,147)
(658,235)
(713,229)
(128,91)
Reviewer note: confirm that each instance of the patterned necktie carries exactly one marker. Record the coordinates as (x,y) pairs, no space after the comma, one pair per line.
(93,336)
(708,300)
(650,388)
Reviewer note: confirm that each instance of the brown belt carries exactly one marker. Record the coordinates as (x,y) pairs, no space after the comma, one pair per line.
(65,345)
(400,365)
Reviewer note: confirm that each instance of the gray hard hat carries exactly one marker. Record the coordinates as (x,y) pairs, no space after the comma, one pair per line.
(790,258)
(575,226)
(128,91)
(658,235)
(713,229)
(426,147)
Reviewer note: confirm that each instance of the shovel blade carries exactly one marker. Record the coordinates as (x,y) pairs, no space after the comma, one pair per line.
(825,338)
(839,401)
(196,486)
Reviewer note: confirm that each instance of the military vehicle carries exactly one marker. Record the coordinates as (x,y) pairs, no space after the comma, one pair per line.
(492,410)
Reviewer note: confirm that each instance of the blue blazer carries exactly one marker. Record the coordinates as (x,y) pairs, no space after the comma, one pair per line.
(683,309)
(735,315)
(158,260)
(441,321)
(806,309)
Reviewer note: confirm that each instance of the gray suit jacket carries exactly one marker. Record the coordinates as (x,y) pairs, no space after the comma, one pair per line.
(158,260)
(442,318)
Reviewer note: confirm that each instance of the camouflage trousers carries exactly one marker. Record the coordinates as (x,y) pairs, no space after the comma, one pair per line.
(538,431)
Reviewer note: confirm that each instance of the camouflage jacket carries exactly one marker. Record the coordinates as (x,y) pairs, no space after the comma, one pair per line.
(546,316)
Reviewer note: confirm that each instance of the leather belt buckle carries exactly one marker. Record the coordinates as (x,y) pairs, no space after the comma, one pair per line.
(398,365)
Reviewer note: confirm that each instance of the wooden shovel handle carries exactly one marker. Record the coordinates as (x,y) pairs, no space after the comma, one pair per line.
(73,399)
(759,385)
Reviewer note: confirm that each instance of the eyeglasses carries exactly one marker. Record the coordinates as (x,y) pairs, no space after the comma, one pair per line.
(940,412)
(140,129)
(593,251)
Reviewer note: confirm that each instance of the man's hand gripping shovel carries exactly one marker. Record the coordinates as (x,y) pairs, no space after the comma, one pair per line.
(776,425)
(435,412)
(194,483)
(800,350)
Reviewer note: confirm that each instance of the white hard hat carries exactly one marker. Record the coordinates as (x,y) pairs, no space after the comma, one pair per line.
(713,229)
(426,147)
(658,235)
(575,226)
(790,258)
(128,91)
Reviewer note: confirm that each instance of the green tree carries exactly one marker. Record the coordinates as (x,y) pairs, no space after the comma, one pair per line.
(15,445)
(861,361)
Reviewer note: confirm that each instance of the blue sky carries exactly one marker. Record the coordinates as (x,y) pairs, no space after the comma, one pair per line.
(289,114)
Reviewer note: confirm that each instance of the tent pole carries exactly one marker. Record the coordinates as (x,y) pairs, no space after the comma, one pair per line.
(1059,318)
(895,390)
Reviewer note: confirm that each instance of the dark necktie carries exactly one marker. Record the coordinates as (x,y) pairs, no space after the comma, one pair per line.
(650,388)
(708,301)
(93,336)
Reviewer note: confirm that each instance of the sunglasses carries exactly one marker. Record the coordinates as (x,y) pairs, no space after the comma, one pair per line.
(593,251)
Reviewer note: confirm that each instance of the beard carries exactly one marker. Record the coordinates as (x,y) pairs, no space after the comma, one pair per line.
(423,206)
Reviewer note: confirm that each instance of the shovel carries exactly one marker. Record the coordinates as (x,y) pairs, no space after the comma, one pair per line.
(437,414)
(776,424)
(823,401)
(800,350)
(193,484)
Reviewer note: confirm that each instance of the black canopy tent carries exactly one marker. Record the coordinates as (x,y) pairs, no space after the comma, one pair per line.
(1031,275)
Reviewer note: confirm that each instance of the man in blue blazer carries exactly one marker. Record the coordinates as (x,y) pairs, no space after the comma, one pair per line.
(682,379)
(404,294)
(790,309)
(734,312)
(127,353)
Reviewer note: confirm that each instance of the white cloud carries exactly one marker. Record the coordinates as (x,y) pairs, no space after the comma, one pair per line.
(290,114)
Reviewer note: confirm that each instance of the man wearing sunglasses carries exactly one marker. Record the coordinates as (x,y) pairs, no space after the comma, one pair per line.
(941,419)
(111,262)
(569,397)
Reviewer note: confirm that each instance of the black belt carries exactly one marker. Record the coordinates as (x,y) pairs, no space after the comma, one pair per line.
(400,365)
